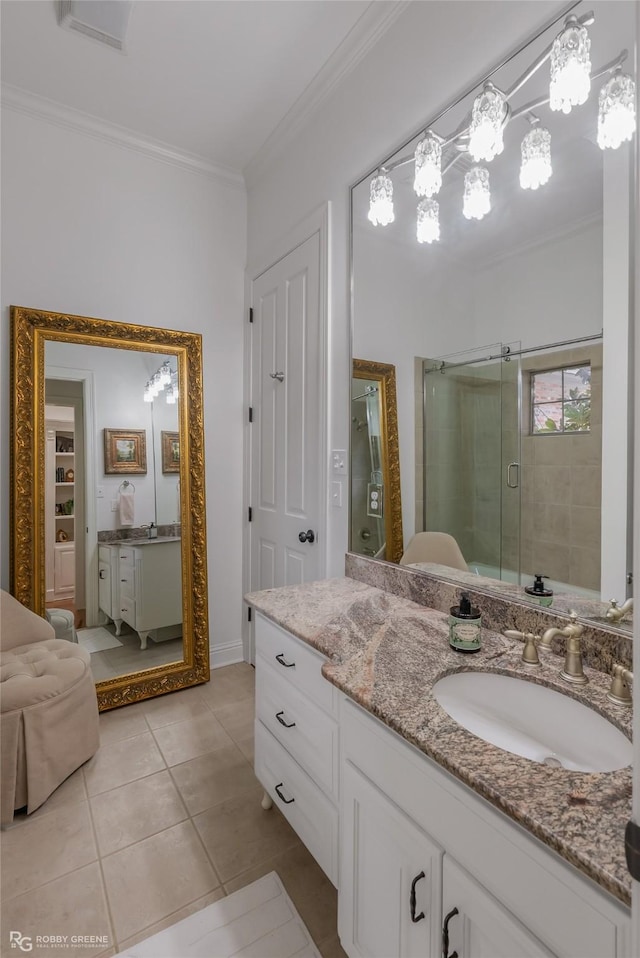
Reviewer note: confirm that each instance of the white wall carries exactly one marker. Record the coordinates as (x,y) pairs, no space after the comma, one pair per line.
(431,54)
(93,228)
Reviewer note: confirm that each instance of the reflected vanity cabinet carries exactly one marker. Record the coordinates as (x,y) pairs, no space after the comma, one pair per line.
(296,739)
(142,586)
(428,868)
(60,573)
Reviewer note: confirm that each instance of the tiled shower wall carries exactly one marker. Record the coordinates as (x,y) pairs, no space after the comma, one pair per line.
(561,485)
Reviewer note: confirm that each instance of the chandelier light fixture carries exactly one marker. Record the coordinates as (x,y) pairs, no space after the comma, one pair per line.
(488,117)
(164,377)
(476,201)
(570,67)
(481,135)
(428,226)
(535,169)
(616,111)
(428,170)
(381,200)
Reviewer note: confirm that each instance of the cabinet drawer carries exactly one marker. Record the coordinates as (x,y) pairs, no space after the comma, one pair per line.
(296,662)
(126,558)
(300,727)
(127,611)
(127,580)
(310,814)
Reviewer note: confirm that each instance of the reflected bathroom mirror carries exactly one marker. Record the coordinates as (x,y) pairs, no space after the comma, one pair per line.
(376,509)
(509,328)
(107,419)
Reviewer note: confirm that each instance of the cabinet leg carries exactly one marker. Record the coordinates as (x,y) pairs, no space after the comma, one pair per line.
(118,625)
(143,639)
(266,801)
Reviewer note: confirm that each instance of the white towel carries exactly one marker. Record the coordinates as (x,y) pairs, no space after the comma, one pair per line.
(126,506)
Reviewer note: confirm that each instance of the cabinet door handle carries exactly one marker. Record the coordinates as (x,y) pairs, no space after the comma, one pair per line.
(287,801)
(412,899)
(445,935)
(102,574)
(282,721)
(280,658)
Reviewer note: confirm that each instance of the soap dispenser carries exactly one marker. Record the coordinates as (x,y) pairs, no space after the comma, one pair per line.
(153,531)
(464,626)
(538,591)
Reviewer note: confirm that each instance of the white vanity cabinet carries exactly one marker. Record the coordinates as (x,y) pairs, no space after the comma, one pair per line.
(141,585)
(390,902)
(401,814)
(296,739)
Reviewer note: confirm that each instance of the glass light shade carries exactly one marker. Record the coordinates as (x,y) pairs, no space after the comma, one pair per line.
(381,201)
(570,67)
(170,396)
(487,118)
(535,169)
(165,373)
(428,228)
(428,168)
(148,393)
(156,385)
(616,111)
(477,195)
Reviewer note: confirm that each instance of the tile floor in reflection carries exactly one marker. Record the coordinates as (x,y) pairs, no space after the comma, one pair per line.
(165,819)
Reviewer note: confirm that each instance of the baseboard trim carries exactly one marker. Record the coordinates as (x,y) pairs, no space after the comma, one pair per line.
(227,654)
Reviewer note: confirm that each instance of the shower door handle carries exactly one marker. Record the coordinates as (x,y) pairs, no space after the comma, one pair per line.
(278,376)
(516,466)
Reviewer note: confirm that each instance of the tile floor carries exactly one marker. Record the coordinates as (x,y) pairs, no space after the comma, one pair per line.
(165,819)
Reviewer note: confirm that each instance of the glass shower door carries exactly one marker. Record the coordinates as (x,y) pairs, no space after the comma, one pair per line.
(471,456)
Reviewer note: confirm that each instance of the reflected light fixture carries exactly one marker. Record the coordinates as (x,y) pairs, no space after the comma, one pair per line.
(487,122)
(163,377)
(381,200)
(477,195)
(428,226)
(481,134)
(570,67)
(616,111)
(535,169)
(428,169)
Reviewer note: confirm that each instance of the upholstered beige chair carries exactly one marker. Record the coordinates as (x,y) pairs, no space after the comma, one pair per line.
(49,720)
(437,547)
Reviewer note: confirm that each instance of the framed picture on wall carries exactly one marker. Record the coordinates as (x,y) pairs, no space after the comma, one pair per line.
(125,452)
(170,451)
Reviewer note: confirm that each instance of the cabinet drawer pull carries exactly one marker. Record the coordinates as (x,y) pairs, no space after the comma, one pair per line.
(412,899)
(445,935)
(280,658)
(287,801)
(282,721)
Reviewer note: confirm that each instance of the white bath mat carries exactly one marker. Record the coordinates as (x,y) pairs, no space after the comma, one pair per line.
(97,640)
(257,921)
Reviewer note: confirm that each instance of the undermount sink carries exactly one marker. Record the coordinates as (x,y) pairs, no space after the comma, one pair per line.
(533,721)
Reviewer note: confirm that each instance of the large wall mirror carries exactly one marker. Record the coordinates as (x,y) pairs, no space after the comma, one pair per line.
(107,481)
(502,297)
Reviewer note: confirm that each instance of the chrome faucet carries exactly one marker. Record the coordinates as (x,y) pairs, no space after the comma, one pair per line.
(572,671)
(615,612)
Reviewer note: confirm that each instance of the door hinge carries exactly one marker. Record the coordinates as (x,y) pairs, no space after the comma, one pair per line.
(250,513)
(251,314)
(249,614)
(632,849)
(250,413)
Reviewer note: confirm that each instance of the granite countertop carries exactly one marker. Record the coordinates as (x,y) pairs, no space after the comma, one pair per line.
(386,653)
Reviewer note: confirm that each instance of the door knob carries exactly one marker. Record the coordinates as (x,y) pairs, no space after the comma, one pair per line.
(308,536)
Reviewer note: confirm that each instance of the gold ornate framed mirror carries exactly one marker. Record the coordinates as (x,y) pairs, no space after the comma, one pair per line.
(376,506)
(133,543)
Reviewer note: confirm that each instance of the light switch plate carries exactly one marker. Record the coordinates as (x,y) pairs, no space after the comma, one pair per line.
(339,462)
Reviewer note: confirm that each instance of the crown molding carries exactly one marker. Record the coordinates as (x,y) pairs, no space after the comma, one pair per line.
(41,108)
(363,36)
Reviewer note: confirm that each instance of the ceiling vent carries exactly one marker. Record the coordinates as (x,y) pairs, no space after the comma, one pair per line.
(102,20)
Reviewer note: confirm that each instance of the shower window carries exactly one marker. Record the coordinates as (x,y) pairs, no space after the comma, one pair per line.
(561,400)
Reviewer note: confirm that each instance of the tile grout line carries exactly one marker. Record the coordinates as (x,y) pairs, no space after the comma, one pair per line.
(112,925)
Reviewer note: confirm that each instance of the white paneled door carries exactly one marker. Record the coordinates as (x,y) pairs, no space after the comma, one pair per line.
(286,430)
